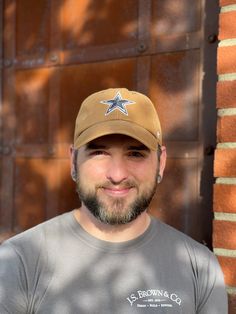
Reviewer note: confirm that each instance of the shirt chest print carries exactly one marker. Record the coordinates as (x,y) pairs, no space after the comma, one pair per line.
(154,298)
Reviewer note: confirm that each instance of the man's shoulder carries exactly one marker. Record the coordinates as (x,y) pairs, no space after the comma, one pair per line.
(177,239)
(35,235)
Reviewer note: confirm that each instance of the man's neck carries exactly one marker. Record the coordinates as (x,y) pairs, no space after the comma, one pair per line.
(112,233)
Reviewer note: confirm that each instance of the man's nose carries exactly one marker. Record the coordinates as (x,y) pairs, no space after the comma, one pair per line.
(117,170)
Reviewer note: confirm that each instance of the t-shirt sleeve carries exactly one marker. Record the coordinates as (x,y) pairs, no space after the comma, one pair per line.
(212,292)
(13,298)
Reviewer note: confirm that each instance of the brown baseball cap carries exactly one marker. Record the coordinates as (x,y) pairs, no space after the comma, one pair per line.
(118,111)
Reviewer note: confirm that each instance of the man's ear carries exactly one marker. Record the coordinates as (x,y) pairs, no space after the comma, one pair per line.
(162,163)
(73,163)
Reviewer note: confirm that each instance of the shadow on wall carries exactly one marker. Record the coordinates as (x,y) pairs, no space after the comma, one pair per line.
(53,75)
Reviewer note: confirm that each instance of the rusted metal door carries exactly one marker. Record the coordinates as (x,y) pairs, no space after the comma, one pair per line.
(55,53)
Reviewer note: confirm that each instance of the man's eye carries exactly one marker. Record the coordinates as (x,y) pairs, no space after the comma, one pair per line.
(136,154)
(97,153)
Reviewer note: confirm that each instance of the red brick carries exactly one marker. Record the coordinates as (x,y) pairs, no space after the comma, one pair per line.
(225,161)
(226,129)
(226,94)
(224,234)
(227,2)
(232,303)
(228,265)
(227,27)
(224,198)
(226,61)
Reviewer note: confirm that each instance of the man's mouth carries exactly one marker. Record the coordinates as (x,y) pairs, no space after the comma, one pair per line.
(118,192)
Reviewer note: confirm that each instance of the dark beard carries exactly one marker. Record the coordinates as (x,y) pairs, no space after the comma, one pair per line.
(120,215)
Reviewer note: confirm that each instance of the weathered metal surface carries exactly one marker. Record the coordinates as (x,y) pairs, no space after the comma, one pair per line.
(1,114)
(51,33)
(174,86)
(58,52)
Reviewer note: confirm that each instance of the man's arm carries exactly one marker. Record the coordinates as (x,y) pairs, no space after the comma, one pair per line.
(13,298)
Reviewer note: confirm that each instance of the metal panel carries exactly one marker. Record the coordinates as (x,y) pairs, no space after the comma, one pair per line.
(1,109)
(64,50)
(177,204)
(174,87)
(85,23)
(178,17)
(30,192)
(32,110)
(8,120)
(32,42)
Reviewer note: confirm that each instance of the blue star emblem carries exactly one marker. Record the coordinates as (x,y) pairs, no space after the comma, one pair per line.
(117,103)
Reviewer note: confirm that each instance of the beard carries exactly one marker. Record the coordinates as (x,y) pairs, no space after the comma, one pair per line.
(116,211)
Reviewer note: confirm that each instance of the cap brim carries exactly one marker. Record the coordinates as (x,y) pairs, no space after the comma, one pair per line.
(117,127)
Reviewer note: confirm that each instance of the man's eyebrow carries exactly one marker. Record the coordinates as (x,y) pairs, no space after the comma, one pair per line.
(92,145)
(138,147)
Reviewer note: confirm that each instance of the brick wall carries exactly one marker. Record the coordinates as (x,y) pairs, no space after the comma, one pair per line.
(224,227)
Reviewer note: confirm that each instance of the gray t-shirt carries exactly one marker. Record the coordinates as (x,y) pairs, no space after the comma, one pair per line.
(58,268)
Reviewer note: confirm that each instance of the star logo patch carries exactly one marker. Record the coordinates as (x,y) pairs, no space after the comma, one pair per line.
(117,103)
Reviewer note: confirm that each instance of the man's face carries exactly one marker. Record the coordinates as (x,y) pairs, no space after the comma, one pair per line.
(116,178)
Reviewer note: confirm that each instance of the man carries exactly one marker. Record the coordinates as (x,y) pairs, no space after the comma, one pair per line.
(110,256)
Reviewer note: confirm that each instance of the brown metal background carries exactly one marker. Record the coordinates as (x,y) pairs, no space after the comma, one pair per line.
(55,53)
